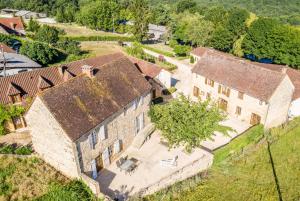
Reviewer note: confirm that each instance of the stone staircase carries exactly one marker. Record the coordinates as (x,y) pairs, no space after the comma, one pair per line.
(142,136)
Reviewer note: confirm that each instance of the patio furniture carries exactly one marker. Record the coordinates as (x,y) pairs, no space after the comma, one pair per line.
(128,166)
(169,162)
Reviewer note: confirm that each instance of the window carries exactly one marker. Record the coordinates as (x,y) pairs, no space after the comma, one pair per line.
(16,98)
(102,133)
(238,111)
(196,91)
(93,139)
(261,102)
(139,123)
(224,90)
(241,95)
(17,121)
(209,82)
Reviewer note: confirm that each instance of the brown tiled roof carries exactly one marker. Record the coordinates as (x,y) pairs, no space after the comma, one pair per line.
(199,51)
(6,48)
(28,82)
(13,90)
(82,103)
(12,24)
(43,83)
(149,69)
(239,74)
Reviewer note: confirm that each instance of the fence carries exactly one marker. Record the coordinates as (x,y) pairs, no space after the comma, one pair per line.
(183,173)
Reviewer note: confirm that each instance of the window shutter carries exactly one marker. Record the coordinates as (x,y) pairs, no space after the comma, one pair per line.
(105,157)
(205,80)
(212,83)
(90,138)
(94,169)
(137,125)
(228,92)
(117,146)
(219,89)
(102,133)
(95,138)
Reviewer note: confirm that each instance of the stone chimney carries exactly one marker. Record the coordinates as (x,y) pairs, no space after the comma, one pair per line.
(284,69)
(13,26)
(88,70)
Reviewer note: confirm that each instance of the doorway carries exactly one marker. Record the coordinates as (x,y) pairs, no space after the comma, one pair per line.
(255,119)
(99,163)
(223,104)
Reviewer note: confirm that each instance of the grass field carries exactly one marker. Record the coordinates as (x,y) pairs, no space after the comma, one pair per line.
(24,179)
(94,48)
(243,170)
(77,30)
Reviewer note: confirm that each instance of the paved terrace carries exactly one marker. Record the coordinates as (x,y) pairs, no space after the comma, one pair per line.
(149,172)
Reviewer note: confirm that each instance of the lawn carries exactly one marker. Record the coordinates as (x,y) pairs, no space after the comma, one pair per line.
(23,179)
(73,30)
(94,48)
(243,171)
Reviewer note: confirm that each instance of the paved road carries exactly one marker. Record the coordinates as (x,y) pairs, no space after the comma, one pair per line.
(182,76)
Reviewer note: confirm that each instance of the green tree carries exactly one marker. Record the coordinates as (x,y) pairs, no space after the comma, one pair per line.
(182,50)
(69,46)
(39,52)
(136,50)
(236,22)
(66,13)
(7,113)
(217,15)
(140,15)
(47,34)
(188,123)
(222,39)
(267,38)
(33,25)
(184,5)
(100,14)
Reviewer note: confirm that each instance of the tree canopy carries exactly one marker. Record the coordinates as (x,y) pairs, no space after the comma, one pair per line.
(188,123)
(47,34)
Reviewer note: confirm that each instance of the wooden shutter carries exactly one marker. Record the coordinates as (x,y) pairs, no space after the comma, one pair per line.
(105,157)
(196,91)
(102,133)
(205,80)
(228,92)
(117,146)
(212,83)
(90,138)
(220,89)
(94,169)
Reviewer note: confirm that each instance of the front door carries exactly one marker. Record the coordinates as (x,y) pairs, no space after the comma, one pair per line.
(223,104)
(99,163)
(255,119)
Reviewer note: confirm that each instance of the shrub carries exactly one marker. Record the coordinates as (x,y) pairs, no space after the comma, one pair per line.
(7,149)
(25,150)
(182,50)
(76,191)
(192,59)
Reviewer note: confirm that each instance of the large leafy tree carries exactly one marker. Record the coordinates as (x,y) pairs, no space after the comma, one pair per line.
(184,5)
(269,39)
(100,14)
(222,39)
(188,123)
(39,52)
(47,34)
(140,13)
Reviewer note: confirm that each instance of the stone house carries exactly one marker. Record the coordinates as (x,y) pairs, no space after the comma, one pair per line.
(23,87)
(13,25)
(243,89)
(82,125)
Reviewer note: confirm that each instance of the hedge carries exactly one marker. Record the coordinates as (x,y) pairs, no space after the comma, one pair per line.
(101,38)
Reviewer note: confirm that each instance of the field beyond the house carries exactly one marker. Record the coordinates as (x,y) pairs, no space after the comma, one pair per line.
(243,170)
(94,48)
(73,30)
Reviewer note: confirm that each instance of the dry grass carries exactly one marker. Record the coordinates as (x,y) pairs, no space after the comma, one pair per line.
(77,30)
(26,178)
(100,48)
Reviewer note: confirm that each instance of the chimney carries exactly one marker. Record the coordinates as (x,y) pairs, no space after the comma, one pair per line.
(88,70)
(13,25)
(283,70)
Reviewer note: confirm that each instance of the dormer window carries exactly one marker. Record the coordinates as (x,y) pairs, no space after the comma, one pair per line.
(16,98)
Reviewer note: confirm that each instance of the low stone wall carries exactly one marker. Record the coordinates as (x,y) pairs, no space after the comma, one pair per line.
(185,172)
(94,186)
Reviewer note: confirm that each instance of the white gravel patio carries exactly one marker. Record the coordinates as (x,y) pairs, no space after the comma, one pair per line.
(115,183)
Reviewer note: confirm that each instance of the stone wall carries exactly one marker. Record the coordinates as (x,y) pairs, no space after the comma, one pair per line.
(248,104)
(280,104)
(50,141)
(120,126)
